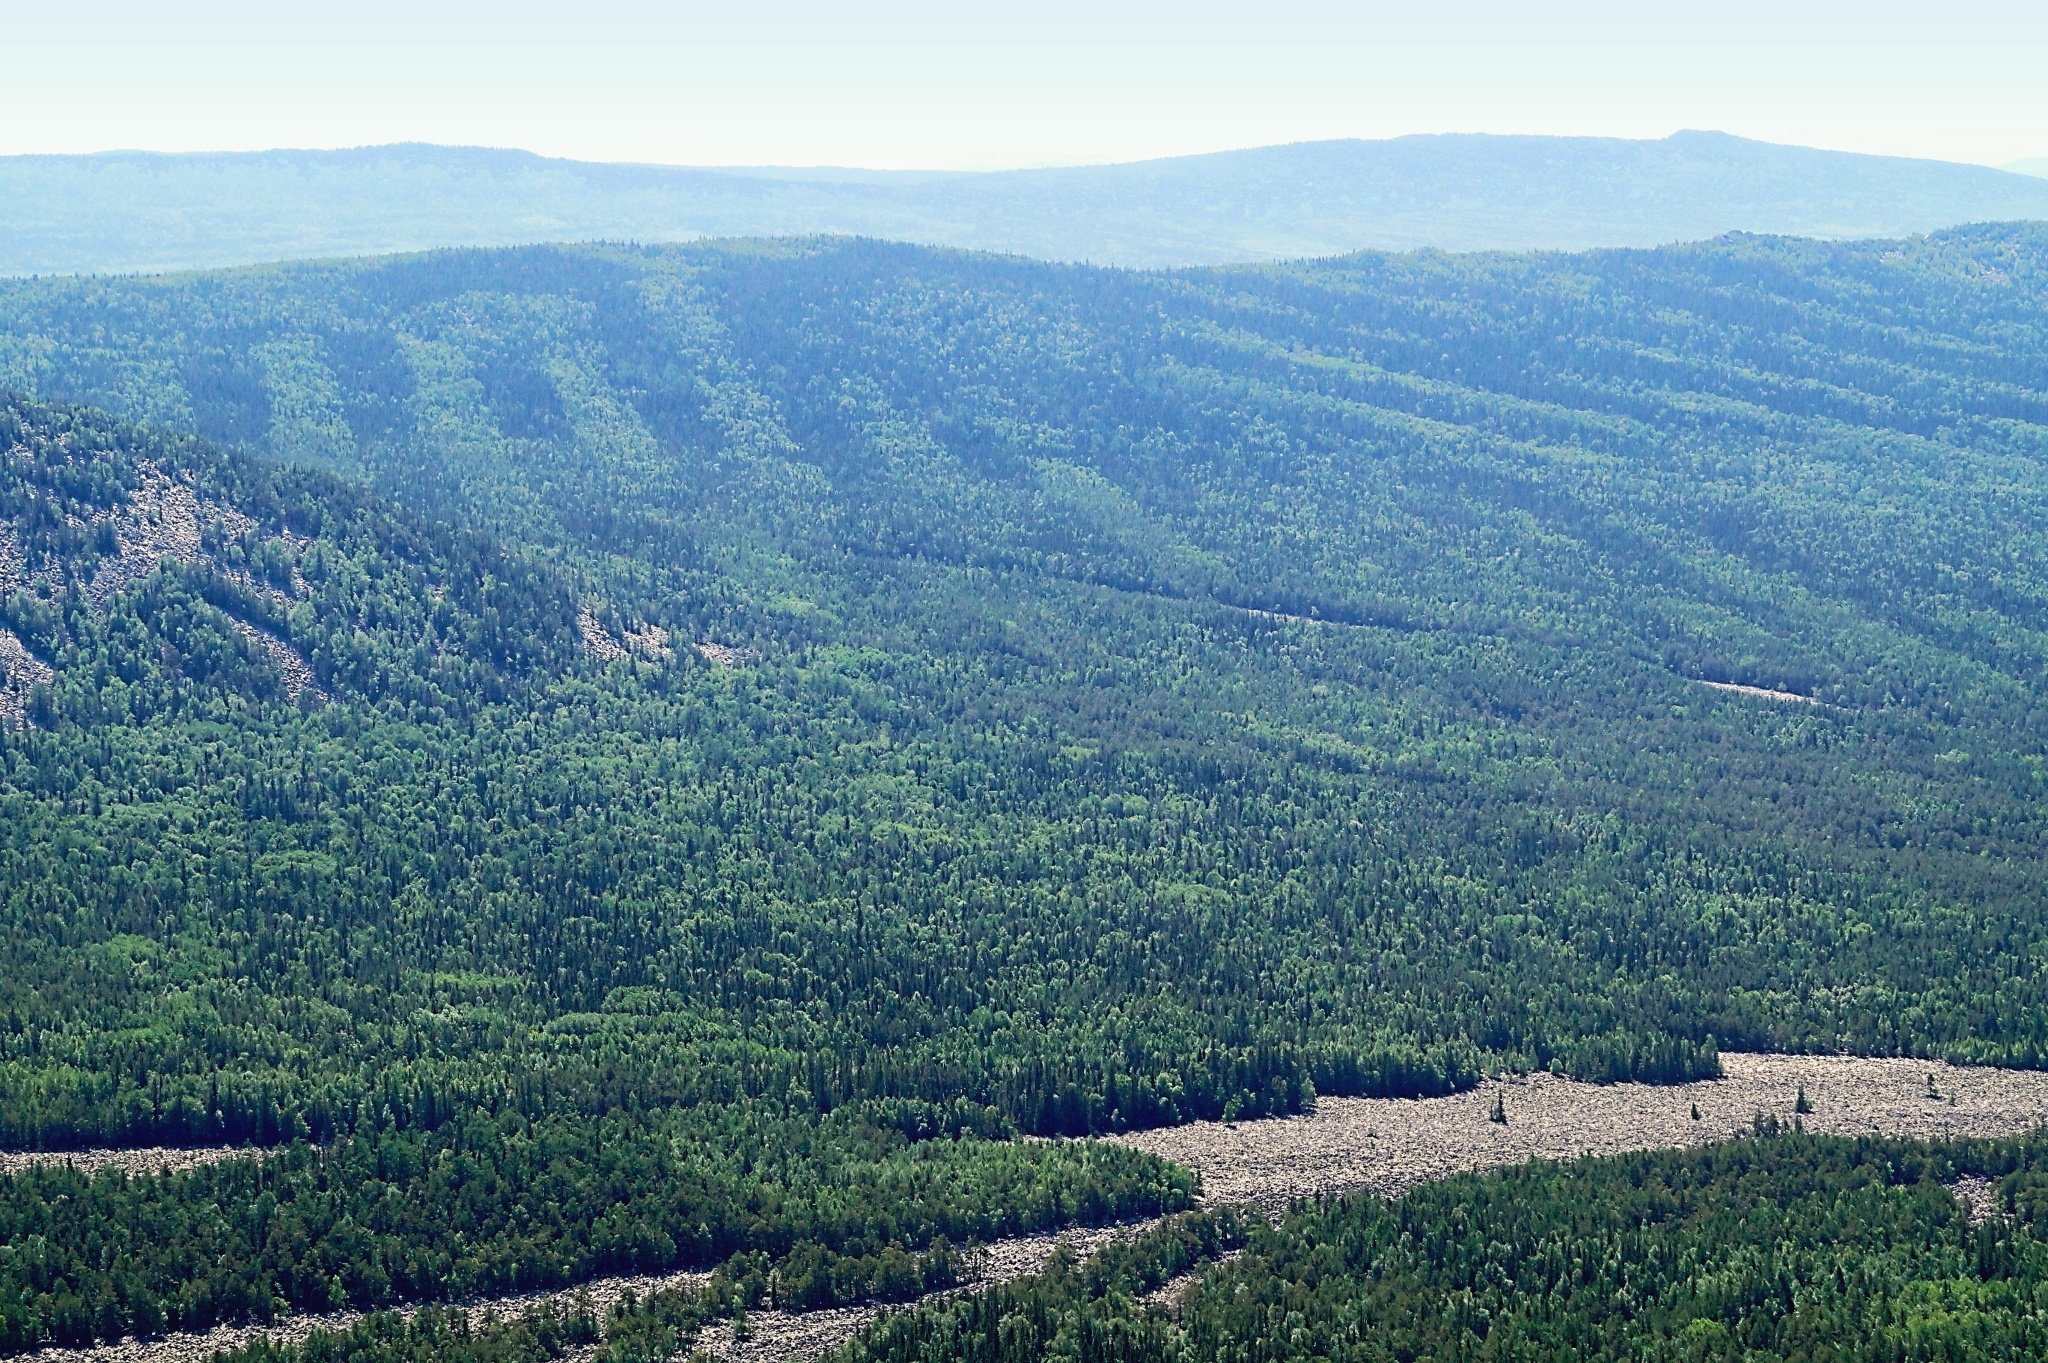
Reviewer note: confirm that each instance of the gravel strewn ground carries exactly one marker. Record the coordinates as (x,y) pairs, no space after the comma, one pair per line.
(1391,1144)
(783,1335)
(1980,1195)
(21,672)
(1763,693)
(292,665)
(163,518)
(154,1159)
(1384,1144)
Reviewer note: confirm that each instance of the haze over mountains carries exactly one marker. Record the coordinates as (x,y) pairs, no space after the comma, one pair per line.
(130,211)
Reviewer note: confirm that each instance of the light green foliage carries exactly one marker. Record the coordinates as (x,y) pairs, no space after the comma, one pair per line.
(1169,696)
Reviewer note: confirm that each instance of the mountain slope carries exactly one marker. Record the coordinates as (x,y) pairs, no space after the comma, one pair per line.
(1455,543)
(1146,697)
(138,575)
(134,211)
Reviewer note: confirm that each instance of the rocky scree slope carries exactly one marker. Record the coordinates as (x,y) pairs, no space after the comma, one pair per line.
(136,569)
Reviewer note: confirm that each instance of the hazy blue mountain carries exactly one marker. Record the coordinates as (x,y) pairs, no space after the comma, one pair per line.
(129,211)
(2037,166)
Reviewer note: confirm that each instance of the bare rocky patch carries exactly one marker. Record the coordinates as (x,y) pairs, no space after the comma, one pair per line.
(1978,1196)
(776,1336)
(780,1335)
(766,1335)
(600,1296)
(1388,1145)
(1171,1294)
(13,564)
(1282,617)
(649,641)
(164,519)
(156,1159)
(1765,693)
(597,640)
(191,1348)
(21,672)
(299,681)
(725,655)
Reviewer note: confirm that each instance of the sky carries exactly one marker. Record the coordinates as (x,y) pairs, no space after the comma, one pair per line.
(965,86)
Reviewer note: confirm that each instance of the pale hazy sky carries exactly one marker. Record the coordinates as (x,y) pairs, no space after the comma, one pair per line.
(957,85)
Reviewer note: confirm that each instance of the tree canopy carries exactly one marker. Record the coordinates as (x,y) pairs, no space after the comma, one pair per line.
(710,741)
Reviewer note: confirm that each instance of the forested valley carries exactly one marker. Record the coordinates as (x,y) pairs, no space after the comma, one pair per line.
(614,759)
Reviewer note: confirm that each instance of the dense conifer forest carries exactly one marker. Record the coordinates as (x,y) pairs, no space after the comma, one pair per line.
(1779,1248)
(663,755)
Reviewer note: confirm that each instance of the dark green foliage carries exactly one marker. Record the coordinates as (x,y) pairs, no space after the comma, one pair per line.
(1787,1248)
(489,1206)
(1170,696)
(814,1277)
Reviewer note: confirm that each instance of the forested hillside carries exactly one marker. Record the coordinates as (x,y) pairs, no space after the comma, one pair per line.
(1118,698)
(122,211)
(141,578)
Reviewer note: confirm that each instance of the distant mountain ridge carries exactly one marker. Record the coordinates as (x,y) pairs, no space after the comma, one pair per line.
(134,211)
